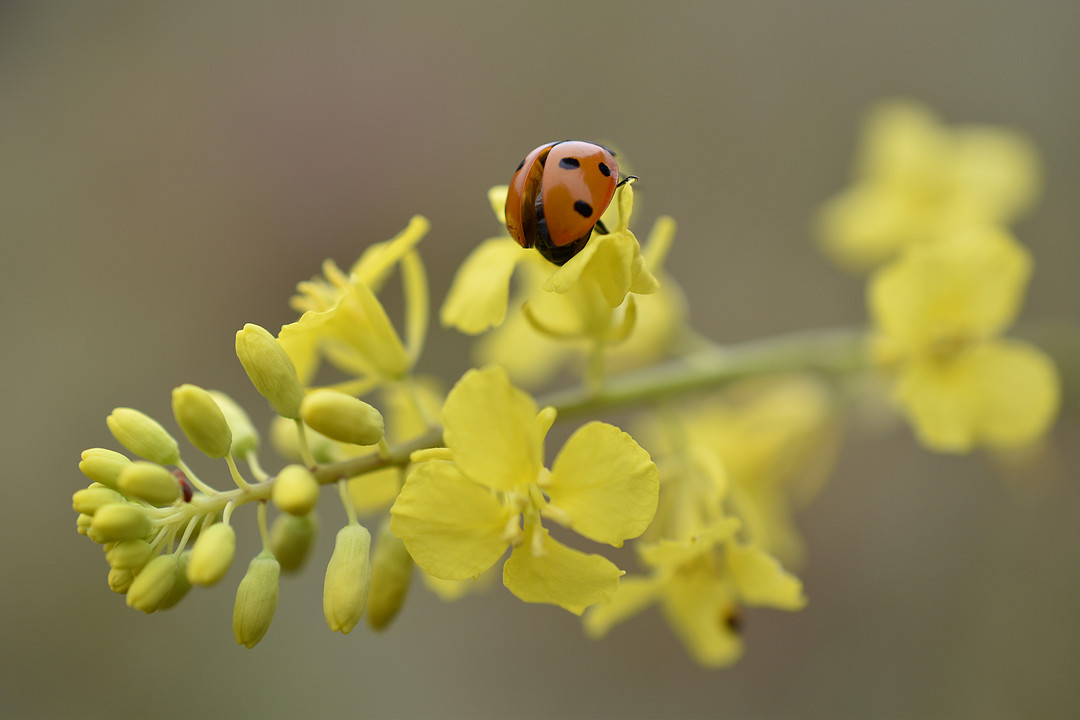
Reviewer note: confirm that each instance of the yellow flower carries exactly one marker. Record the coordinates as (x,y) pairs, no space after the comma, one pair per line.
(557,330)
(939,311)
(345,323)
(612,262)
(919,181)
(456,517)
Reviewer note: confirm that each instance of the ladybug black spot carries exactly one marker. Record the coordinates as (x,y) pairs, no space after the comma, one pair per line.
(605,170)
(569,163)
(520,164)
(583,208)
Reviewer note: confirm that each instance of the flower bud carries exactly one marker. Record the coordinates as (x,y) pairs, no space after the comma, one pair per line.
(212,554)
(348,577)
(103,466)
(270,369)
(83,522)
(149,482)
(256,599)
(245,438)
(153,583)
(291,539)
(142,435)
(391,573)
(120,580)
(88,500)
(201,419)
(296,491)
(128,554)
(181,586)
(119,521)
(342,417)
(285,437)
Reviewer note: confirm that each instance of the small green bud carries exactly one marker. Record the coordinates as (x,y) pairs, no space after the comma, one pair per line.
(88,500)
(153,584)
(245,438)
(103,466)
(348,577)
(342,417)
(270,369)
(142,435)
(291,539)
(256,599)
(83,522)
(391,573)
(181,586)
(212,554)
(296,491)
(128,554)
(150,482)
(119,521)
(120,580)
(285,437)
(201,419)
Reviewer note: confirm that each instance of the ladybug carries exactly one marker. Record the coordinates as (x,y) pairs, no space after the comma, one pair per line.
(557,195)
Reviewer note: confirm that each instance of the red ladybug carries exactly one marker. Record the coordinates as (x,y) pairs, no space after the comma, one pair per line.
(557,196)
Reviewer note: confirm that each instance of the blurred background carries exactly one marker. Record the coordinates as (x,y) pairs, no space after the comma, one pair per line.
(168,172)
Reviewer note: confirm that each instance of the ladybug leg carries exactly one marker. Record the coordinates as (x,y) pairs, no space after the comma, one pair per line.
(626,180)
(600,227)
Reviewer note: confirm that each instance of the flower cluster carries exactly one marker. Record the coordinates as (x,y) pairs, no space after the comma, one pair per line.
(929,215)
(705,490)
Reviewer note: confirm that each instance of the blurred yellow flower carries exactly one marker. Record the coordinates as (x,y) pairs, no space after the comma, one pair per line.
(456,517)
(918,181)
(939,311)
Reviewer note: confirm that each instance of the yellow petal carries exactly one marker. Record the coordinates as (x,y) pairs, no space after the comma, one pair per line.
(761,580)
(374,490)
(559,575)
(378,260)
(700,609)
(452,527)
(478,297)
(606,483)
(497,198)
(1004,394)
(675,553)
(633,596)
(490,427)
(970,286)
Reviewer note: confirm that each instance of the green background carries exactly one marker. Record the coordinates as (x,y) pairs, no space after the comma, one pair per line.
(169,171)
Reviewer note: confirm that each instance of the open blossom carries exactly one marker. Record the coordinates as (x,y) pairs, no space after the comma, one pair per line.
(612,262)
(344,322)
(918,181)
(458,513)
(939,312)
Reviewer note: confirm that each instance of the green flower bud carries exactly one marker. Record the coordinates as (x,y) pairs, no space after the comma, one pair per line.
(103,466)
(119,521)
(296,491)
(212,554)
(270,369)
(342,417)
(142,435)
(88,500)
(128,554)
(348,577)
(180,585)
(291,539)
(245,438)
(285,438)
(150,482)
(391,573)
(256,600)
(201,419)
(120,580)
(83,522)
(153,583)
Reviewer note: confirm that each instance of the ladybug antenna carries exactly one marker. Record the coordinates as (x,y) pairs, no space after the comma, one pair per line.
(626,180)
